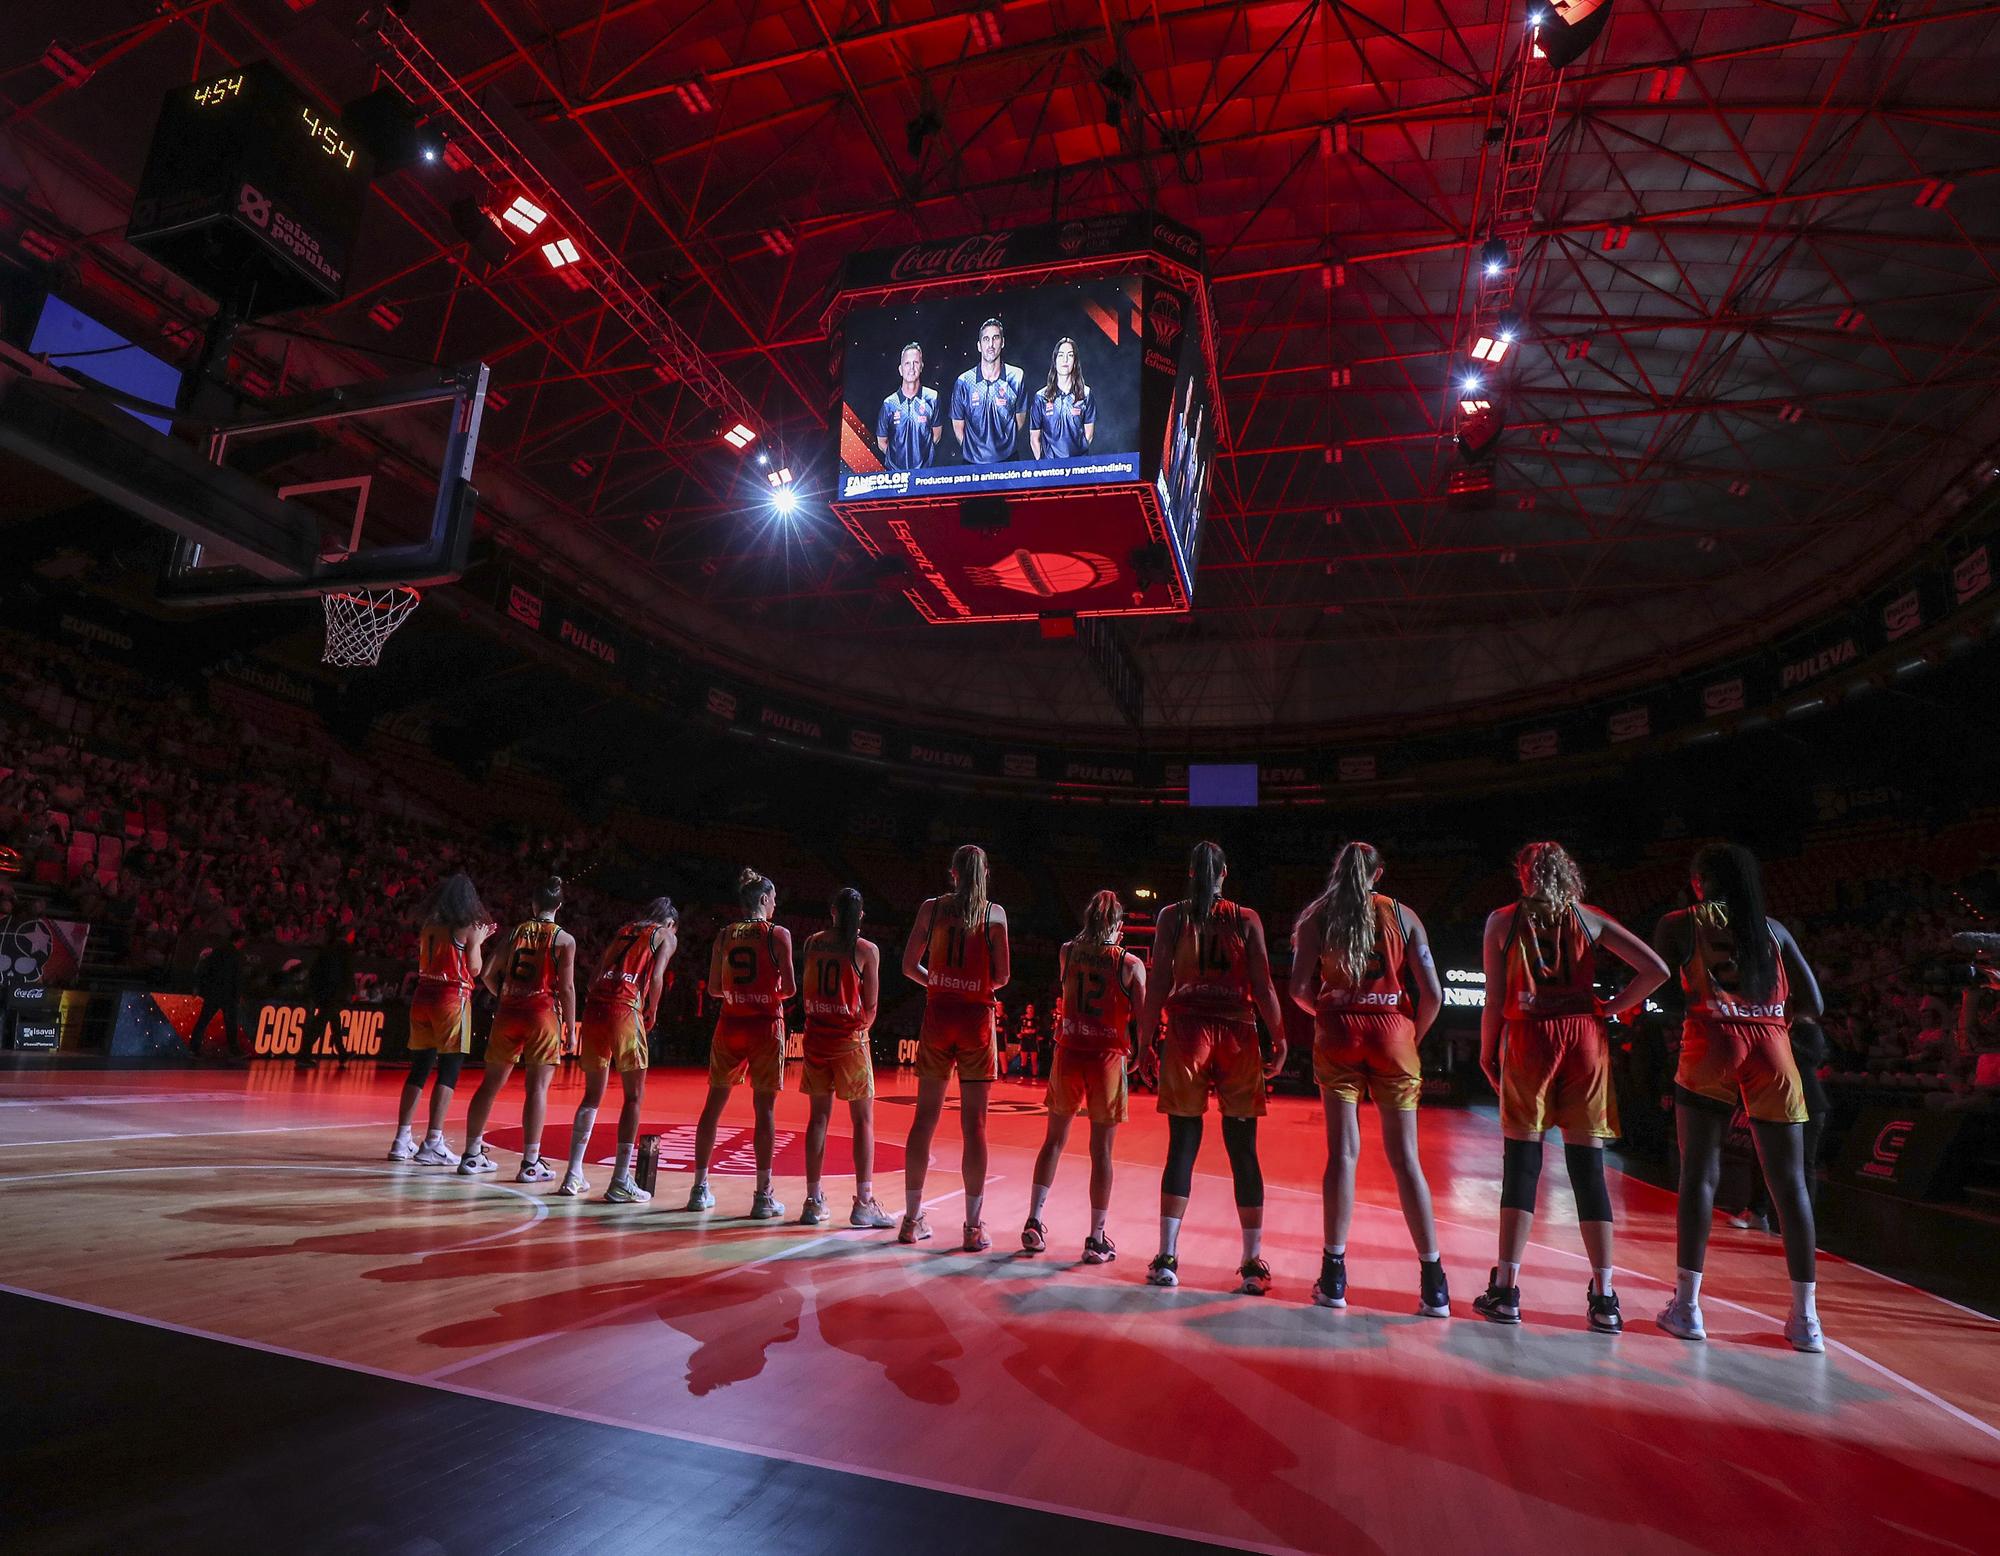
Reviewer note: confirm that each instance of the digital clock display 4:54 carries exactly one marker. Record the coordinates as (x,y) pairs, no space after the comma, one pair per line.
(327,137)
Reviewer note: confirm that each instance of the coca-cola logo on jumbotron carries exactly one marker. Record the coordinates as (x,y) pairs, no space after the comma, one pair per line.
(1163,315)
(963,256)
(1903,615)
(1172,238)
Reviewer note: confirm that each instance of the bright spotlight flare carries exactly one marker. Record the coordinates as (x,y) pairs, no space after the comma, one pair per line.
(785,502)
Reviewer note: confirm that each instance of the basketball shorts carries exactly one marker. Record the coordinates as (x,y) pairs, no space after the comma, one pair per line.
(441,1022)
(529,1032)
(614,1036)
(839,1066)
(752,1046)
(957,1036)
(1203,1055)
(1724,1061)
(1089,1082)
(1359,1057)
(1556,1074)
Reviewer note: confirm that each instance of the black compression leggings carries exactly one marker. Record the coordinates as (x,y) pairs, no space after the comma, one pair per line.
(1183,1143)
(1240,1136)
(447,1066)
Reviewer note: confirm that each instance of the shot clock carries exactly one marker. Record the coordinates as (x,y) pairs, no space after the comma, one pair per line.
(252,193)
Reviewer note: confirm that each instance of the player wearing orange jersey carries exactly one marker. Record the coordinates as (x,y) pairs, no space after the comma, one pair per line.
(1100,985)
(843,980)
(1545,1048)
(1356,958)
(1211,974)
(450,946)
(1746,982)
(619,1009)
(958,954)
(750,970)
(535,979)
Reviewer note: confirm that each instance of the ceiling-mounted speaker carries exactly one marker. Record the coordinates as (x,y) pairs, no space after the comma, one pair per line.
(983,515)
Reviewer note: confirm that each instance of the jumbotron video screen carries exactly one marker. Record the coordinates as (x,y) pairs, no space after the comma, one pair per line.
(993,392)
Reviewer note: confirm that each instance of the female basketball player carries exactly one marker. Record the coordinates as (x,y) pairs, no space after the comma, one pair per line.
(1100,984)
(957,952)
(618,1011)
(1355,956)
(1744,977)
(450,954)
(1062,416)
(1544,1047)
(842,983)
(536,983)
(1212,975)
(750,970)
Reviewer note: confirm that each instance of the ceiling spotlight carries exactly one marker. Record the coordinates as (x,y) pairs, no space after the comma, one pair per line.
(560,253)
(786,502)
(780,477)
(523,215)
(763,456)
(1470,384)
(1491,348)
(740,437)
(1494,256)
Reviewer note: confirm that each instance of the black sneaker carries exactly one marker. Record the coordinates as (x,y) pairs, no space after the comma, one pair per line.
(1253,1277)
(1165,1270)
(1099,1250)
(1330,1290)
(1497,1303)
(1604,1315)
(1434,1293)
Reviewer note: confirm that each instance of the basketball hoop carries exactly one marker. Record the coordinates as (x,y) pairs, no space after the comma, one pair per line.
(359,621)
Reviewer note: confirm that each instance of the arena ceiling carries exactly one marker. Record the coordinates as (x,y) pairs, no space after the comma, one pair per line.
(1758,300)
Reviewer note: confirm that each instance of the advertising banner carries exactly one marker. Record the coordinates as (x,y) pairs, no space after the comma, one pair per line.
(46,951)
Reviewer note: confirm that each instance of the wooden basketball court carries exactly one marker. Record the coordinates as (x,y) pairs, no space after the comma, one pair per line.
(571,1374)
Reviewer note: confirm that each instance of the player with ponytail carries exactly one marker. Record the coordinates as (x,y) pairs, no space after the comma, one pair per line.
(843,977)
(450,957)
(1545,1048)
(1211,975)
(958,954)
(750,972)
(1359,961)
(1746,984)
(1101,985)
(535,980)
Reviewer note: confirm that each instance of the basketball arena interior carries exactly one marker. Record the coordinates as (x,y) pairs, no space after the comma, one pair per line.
(642,642)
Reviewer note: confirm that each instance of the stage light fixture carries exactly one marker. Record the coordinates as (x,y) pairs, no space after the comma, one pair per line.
(523,215)
(1567,33)
(763,456)
(740,437)
(1470,384)
(780,477)
(561,252)
(785,502)
(1493,255)
(1491,348)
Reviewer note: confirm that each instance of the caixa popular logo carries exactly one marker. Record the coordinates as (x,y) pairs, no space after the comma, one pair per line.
(1163,317)
(1885,1158)
(281,1028)
(253,206)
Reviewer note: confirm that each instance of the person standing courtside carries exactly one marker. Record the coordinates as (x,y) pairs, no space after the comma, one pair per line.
(750,968)
(535,978)
(329,986)
(618,1011)
(218,979)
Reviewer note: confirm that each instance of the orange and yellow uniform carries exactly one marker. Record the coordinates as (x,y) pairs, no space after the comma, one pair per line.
(527,1028)
(614,1007)
(750,1032)
(1364,1039)
(958,1029)
(836,1042)
(441,1007)
(1093,1034)
(1555,1054)
(1733,1047)
(1211,1020)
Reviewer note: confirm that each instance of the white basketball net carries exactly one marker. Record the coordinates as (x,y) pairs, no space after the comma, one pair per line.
(359,621)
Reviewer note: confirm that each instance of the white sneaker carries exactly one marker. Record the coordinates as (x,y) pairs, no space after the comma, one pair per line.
(869,1215)
(623,1191)
(574,1184)
(536,1171)
(1682,1320)
(814,1211)
(766,1206)
(402,1148)
(1804,1333)
(479,1161)
(435,1153)
(700,1197)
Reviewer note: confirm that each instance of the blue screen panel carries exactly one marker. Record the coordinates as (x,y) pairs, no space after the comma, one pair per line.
(1222,783)
(77,343)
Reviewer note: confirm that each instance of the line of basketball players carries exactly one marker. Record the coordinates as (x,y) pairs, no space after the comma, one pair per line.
(1361,967)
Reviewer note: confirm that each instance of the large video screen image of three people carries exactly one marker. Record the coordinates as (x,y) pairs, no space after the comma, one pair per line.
(993,392)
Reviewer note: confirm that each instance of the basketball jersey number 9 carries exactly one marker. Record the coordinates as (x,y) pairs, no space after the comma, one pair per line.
(742,965)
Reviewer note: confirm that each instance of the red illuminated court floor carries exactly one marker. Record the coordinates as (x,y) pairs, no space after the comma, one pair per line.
(255,1207)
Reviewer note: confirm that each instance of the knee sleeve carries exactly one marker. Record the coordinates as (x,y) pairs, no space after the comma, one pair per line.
(420,1067)
(1183,1143)
(1586,1182)
(1240,1136)
(1520,1174)
(448,1067)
